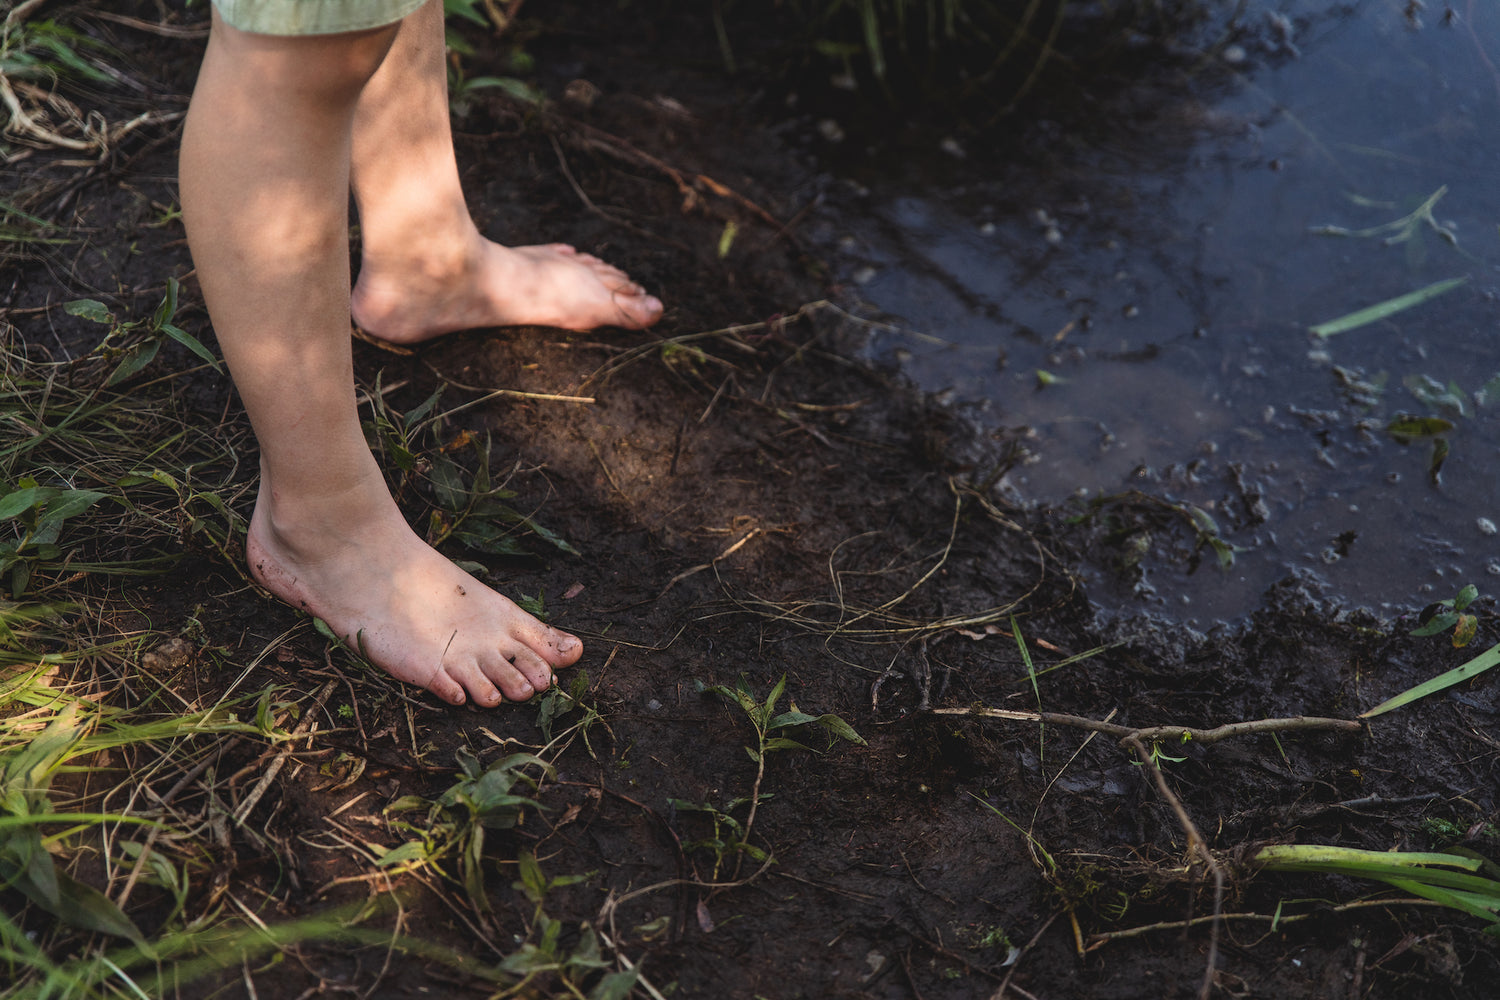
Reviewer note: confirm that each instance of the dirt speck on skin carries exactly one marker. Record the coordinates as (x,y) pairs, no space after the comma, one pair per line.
(753,506)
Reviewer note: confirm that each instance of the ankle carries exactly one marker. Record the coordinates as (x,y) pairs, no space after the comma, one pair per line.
(442,255)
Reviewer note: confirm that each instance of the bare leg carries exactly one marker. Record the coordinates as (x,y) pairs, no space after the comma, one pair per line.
(426,270)
(265,180)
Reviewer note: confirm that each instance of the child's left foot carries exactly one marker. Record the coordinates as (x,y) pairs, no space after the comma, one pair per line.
(548,285)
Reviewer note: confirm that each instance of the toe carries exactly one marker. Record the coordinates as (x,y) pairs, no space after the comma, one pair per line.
(479,686)
(510,679)
(447,688)
(638,311)
(537,671)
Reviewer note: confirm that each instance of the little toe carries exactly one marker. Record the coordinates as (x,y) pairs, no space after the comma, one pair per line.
(479,686)
(447,689)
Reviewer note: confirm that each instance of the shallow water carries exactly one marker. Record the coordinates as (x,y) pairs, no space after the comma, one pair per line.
(1163,261)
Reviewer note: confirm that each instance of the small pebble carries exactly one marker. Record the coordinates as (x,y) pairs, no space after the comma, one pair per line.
(1486,526)
(653,705)
(831,130)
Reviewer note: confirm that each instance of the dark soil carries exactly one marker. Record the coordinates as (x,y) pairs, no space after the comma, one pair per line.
(757,505)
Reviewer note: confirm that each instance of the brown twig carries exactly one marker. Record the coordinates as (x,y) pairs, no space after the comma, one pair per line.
(1196,844)
(243,810)
(1163,734)
(1097,941)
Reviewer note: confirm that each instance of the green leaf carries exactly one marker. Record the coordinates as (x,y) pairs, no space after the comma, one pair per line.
(1440,622)
(726,238)
(518,89)
(94,310)
(71,502)
(1442,682)
(168,307)
(412,850)
(1465,597)
(192,343)
(22,500)
(136,358)
(775,696)
(1382,310)
(783,743)
(1405,429)
(87,908)
(465,9)
(793,718)
(615,986)
(840,728)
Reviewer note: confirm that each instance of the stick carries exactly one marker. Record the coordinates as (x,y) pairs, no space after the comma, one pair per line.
(243,811)
(1160,734)
(1195,843)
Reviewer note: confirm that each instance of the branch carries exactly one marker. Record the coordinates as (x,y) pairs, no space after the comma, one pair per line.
(1159,734)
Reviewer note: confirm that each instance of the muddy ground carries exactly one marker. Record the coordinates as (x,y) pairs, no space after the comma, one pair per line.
(753,505)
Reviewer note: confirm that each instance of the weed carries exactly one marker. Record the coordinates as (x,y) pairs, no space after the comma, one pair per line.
(543,954)
(1435,620)
(485,798)
(769,730)
(462,87)
(135,343)
(1158,755)
(559,702)
(469,508)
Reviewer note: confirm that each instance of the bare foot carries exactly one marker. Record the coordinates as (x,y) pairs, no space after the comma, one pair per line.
(548,285)
(356,564)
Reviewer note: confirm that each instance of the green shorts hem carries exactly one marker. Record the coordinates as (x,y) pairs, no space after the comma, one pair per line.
(312,17)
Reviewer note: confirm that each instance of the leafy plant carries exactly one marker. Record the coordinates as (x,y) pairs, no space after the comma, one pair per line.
(543,952)
(36,513)
(25,863)
(461,87)
(485,798)
(136,342)
(770,737)
(469,508)
(1435,620)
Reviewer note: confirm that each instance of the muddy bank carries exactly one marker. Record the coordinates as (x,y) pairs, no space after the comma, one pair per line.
(747,505)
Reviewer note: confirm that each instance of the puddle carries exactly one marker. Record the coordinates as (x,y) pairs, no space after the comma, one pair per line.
(1129,295)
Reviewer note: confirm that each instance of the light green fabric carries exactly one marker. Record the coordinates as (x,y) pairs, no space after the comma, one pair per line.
(312,17)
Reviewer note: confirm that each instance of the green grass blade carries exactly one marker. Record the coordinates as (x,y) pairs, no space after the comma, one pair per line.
(1389,307)
(1473,668)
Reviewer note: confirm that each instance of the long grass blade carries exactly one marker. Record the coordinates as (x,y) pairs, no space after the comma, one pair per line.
(1389,307)
(1441,682)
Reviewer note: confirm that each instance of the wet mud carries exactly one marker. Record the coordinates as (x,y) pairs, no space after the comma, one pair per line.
(753,505)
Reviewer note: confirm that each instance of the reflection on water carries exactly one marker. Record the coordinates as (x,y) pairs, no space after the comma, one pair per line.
(1129,295)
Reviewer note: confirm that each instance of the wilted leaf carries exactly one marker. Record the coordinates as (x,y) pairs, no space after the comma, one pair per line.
(1464,633)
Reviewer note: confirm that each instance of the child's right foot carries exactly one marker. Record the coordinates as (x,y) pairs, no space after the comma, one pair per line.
(407,609)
